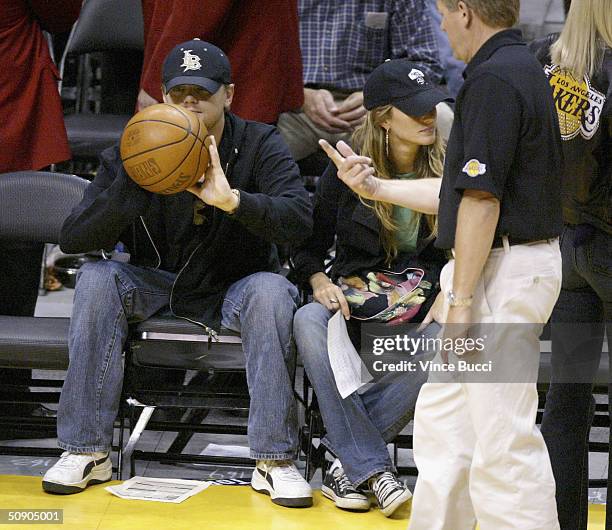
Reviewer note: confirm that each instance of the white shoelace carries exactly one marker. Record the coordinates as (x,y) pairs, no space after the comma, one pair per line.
(343,482)
(385,485)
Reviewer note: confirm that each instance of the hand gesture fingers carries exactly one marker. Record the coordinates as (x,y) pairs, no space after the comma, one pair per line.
(344,158)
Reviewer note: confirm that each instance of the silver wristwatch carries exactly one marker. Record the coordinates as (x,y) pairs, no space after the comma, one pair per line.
(453,301)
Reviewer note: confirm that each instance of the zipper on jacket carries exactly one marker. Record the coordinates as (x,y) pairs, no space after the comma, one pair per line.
(152,243)
(212,334)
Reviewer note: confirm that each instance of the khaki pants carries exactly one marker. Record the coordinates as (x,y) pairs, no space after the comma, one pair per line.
(302,135)
(480,456)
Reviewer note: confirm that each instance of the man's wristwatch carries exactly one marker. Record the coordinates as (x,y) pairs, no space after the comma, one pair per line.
(453,301)
(237,194)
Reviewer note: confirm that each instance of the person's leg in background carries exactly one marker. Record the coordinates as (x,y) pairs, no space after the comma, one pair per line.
(20,267)
(260,307)
(594,261)
(578,328)
(302,135)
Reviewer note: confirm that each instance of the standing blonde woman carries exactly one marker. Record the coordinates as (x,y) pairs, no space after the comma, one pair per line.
(399,139)
(578,63)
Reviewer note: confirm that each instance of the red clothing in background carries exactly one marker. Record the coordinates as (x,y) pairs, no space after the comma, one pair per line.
(260,38)
(32,132)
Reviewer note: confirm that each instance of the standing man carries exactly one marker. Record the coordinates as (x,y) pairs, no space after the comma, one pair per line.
(479,453)
(206,255)
(342,43)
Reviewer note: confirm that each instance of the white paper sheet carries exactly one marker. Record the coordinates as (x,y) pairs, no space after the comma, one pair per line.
(239,451)
(158,489)
(349,371)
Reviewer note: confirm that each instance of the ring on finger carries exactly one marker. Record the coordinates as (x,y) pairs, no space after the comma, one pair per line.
(333,301)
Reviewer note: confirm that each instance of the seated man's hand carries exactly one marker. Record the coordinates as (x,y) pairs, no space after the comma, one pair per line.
(144,100)
(354,170)
(352,109)
(320,107)
(213,188)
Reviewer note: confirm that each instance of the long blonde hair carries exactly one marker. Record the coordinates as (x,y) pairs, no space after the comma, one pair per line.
(369,140)
(588,30)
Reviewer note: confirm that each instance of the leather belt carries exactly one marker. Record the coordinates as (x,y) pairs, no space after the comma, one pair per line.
(498,242)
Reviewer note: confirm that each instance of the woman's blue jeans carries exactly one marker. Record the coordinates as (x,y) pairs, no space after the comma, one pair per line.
(579,322)
(360,426)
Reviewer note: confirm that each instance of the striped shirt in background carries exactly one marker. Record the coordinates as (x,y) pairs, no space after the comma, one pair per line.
(342,41)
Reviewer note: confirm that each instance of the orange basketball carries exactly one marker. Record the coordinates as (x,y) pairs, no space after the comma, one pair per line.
(162,148)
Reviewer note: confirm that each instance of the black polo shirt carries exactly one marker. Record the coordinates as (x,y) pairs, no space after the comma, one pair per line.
(505,140)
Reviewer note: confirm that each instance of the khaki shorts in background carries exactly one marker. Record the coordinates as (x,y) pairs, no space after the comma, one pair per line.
(302,135)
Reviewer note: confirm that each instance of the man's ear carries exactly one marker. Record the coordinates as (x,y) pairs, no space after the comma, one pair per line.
(466,13)
(229,96)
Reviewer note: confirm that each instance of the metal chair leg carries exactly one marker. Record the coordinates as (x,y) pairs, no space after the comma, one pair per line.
(121,437)
(135,434)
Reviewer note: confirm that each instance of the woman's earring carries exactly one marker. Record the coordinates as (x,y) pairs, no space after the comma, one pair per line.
(387,142)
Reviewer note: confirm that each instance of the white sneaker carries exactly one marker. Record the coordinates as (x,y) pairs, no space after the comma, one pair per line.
(390,492)
(283,482)
(74,472)
(337,487)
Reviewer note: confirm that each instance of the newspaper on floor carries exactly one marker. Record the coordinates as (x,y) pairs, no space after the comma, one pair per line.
(158,489)
(349,370)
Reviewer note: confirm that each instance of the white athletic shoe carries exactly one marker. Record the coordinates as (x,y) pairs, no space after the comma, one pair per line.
(74,472)
(390,492)
(283,482)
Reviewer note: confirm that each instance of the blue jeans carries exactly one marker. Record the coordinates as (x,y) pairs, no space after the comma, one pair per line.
(360,426)
(580,319)
(110,295)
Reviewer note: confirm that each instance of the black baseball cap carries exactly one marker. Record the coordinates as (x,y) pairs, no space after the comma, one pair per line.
(403,84)
(196,62)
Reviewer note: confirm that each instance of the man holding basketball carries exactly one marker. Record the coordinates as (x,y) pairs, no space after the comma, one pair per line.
(208,256)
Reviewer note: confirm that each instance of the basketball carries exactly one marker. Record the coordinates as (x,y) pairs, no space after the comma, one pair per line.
(162,148)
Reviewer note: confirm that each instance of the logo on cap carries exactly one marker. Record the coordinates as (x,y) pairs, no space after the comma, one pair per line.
(474,168)
(417,75)
(191,61)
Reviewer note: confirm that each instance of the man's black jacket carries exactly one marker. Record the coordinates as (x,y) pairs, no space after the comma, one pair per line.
(162,231)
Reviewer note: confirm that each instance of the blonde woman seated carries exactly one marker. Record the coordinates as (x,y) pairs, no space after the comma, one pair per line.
(374,239)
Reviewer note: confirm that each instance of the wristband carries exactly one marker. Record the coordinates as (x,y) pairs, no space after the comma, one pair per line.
(453,301)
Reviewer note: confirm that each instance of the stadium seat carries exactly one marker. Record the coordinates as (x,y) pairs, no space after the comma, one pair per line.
(33,206)
(103,26)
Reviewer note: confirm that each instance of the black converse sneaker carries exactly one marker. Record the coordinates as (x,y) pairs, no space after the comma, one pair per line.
(283,482)
(337,487)
(73,472)
(390,492)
